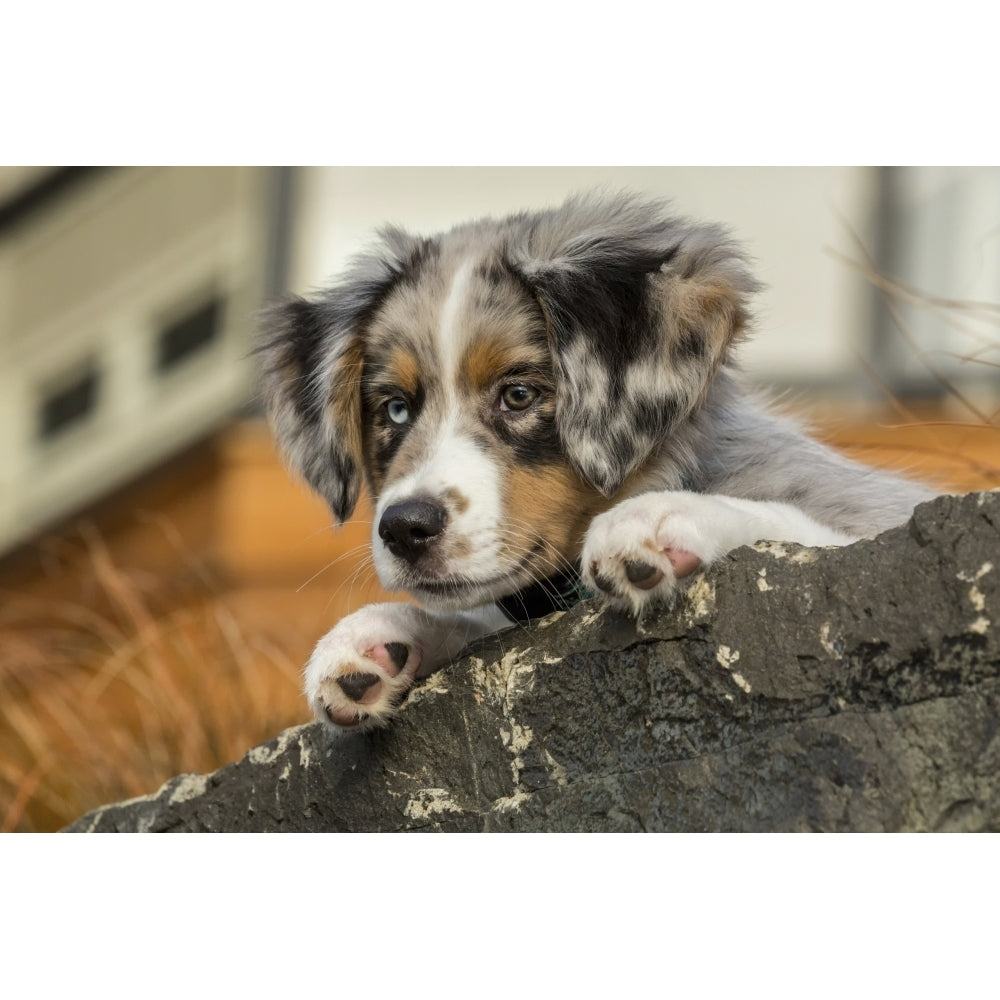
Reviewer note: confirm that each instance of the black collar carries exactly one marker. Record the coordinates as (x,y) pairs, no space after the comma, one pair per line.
(557,593)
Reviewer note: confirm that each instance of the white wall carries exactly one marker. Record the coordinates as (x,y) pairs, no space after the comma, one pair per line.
(98,278)
(946,244)
(813,319)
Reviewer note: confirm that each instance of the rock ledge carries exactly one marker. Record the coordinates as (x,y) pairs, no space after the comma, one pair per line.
(790,689)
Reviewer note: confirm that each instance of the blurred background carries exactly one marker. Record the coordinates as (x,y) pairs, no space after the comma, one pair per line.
(162,578)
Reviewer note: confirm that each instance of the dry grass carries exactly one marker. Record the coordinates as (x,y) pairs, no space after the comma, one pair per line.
(957,453)
(97,706)
(953,456)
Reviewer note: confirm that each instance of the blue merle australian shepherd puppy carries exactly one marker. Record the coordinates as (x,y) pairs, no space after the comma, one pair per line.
(540,405)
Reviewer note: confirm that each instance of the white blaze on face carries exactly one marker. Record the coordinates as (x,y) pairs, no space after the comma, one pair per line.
(453,333)
(471,540)
(454,465)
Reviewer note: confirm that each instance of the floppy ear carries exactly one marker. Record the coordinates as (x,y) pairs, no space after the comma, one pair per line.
(641,312)
(312,362)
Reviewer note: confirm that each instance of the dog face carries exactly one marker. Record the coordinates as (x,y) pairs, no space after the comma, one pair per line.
(501,384)
(476,497)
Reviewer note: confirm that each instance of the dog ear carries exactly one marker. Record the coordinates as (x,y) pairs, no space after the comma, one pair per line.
(312,363)
(641,312)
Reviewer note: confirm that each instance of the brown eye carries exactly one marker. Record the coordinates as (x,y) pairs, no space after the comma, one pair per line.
(517,397)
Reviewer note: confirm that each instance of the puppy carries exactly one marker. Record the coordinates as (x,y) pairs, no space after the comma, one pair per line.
(541,405)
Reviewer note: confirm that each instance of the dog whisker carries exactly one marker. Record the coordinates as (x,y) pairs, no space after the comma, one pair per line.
(349,554)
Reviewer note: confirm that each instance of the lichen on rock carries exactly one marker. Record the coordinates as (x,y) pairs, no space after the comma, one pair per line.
(789,689)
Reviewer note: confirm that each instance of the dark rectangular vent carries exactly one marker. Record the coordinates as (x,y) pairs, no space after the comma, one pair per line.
(71,404)
(188,336)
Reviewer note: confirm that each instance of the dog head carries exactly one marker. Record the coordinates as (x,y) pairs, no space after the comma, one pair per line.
(502,383)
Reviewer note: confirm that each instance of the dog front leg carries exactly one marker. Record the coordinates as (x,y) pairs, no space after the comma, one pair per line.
(362,668)
(635,554)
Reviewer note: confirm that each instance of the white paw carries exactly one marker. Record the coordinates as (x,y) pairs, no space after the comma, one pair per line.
(635,554)
(361,669)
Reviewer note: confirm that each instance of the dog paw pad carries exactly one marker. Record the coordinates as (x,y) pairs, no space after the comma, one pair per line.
(642,574)
(343,718)
(356,685)
(398,653)
(390,656)
(601,581)
(683,562)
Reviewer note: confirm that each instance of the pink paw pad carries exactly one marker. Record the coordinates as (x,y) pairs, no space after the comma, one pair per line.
(683,562)
(390,656)
(347,718)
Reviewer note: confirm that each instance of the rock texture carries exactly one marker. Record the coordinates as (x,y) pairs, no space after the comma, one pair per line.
(790,689)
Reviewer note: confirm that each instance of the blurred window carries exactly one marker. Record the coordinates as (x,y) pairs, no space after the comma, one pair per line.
(70,404)
(188,336)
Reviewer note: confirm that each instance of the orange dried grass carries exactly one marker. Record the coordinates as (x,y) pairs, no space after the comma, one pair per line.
(97,706)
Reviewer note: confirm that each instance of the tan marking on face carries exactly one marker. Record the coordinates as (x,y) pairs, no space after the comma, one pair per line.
(487,358)
(345,398)
(402,369)
(554,504)
(456,501)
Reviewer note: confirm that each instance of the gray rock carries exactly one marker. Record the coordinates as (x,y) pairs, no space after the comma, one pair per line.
(789,689)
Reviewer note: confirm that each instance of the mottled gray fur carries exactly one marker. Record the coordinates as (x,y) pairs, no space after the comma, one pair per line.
(531,397)
(643,310)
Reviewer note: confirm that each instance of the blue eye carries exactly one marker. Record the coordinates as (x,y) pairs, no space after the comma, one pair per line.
(398,410)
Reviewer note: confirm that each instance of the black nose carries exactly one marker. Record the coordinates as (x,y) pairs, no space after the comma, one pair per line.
(410,528)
